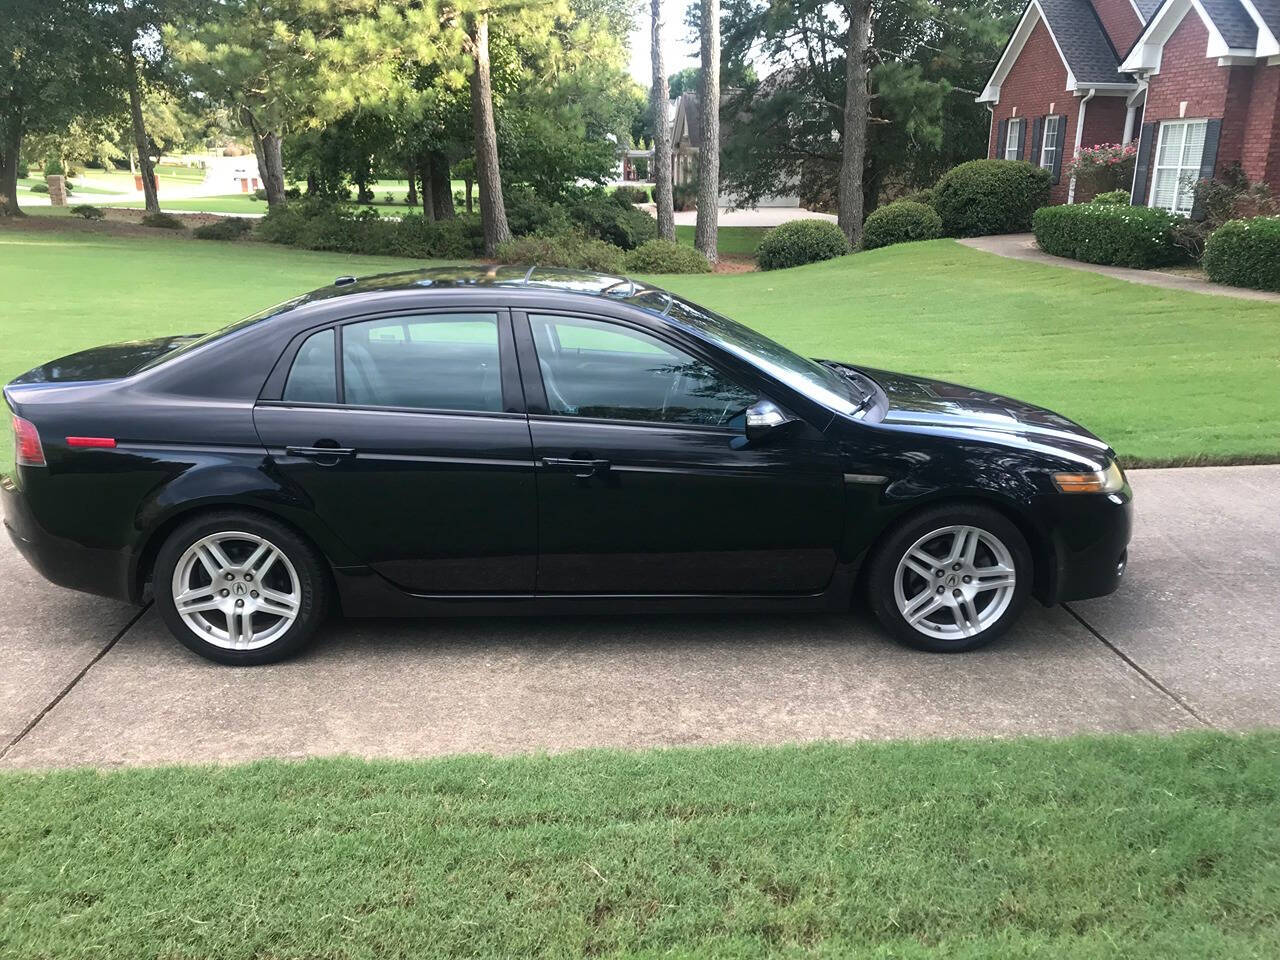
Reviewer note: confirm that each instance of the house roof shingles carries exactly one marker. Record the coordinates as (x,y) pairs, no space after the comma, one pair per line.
(1147,8)
(1089,53)
(1233,22)
(1269,10)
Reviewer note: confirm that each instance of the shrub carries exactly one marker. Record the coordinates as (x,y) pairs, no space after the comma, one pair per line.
(663,256)
(1104,166)
(606,218)
(527,213)
(87,211)
(924,196)
(630,194)
(990,196)
(164,221)
(40,187)
(568,250)
(232,228)
(901,222)
(260,193)
(1245,253)
(684,196)
(800,241)
(24,170)
(1120,236)
(324,225)
(1233,197)
(53,167)
(1114,198)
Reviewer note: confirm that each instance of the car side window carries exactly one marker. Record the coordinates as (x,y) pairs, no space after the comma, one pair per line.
(594,368)
(435,362)
(313,378)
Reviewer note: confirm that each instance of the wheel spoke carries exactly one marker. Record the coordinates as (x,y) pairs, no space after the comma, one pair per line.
(262,560)
(921,563)
(916,613)
(966,627)
(198,600)
(989,578)
(277,603)
(213,559)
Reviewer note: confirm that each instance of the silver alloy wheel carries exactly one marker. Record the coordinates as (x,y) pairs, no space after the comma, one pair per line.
(954,582)
(236,590)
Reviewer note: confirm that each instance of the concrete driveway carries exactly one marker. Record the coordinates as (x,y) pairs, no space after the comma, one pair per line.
(1191,640)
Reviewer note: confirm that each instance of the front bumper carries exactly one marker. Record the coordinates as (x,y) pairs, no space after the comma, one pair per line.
(58,560)
(1090,543)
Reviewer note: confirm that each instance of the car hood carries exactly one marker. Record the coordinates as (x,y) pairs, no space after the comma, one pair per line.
(935,405)
(103,363)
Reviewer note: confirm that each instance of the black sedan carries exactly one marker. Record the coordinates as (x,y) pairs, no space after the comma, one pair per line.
(502,440)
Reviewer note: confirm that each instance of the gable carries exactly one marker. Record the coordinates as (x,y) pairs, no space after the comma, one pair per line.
(1236,28)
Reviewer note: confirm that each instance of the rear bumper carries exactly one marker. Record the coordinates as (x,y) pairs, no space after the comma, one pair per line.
(58,560)
(1091,543)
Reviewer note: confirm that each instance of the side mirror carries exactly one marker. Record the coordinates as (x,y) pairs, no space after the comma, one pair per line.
(766,421)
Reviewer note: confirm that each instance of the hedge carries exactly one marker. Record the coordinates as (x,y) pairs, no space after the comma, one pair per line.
(663,256)
(322,225)
(88,211)
(1245,253)
(800,241)
(163,221)
(900,222)
(990,196)
(1120,236)
(581,253)
(232,228)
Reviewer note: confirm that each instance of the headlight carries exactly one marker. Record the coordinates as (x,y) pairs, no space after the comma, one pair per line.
(1101,481)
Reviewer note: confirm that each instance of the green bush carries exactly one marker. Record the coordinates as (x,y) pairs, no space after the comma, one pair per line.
(1245,253)
(53,168)
(527,214)
(231,228)
(800,241)
(1114,198)
(324,225)
(663,256)
(163,221)
(1120,236)
(629,194)
(569,250)
(900,222)
(924,196)
(990,196)
(24,170)
(39,187)
(87,211)
(606,218)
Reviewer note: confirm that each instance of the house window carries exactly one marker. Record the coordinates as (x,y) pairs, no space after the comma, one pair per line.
(1179,152)
(1052,141)
(1013,139)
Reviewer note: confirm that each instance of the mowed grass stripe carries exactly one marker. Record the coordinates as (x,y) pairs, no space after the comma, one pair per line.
(1093,847)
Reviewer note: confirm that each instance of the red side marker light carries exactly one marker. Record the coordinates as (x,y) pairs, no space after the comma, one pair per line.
(91,441)
(27,451)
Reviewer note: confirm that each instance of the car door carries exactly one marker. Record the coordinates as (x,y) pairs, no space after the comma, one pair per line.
(406,434)
(645,485)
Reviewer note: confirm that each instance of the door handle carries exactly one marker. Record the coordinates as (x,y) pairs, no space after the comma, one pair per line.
(320,454)
(583,469)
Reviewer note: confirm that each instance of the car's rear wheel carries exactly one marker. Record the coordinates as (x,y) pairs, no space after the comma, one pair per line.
(951,578)
(240,588)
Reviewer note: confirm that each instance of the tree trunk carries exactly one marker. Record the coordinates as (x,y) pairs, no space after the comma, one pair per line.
(428,200)
(441,186)
(273,176)
(704,234)
(470,194)
(10,144)
(411,171)
(493,213)
(658,97)
(853,144)
(140,140)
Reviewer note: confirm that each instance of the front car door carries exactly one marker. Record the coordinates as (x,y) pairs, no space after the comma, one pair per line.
(644,483)
(407,436)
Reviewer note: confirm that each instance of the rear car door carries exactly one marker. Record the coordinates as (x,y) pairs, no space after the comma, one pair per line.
(407,436)
(644,483)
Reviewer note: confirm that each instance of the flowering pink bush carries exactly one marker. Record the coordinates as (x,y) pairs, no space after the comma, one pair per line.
(1104,166)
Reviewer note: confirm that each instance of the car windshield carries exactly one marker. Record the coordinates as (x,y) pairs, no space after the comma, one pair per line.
(229,329)
(817,382)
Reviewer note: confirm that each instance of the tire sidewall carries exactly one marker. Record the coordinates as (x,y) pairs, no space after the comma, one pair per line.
(884,567)
(307,564)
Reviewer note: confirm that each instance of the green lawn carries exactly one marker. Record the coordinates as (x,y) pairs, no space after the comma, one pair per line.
(730,241)
(1124,847)
(222,203)
(1165,376)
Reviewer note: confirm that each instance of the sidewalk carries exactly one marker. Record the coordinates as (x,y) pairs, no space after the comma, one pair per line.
(1022,246)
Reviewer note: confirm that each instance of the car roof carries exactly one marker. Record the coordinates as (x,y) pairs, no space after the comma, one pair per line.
(557,279)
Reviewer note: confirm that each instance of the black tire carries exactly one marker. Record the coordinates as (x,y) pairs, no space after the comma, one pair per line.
(301,561)
(893,548)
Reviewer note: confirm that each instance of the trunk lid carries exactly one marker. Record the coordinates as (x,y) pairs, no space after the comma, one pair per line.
(110,362)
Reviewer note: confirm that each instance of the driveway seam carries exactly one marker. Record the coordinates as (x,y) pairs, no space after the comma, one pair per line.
(1140,670)
(73,681)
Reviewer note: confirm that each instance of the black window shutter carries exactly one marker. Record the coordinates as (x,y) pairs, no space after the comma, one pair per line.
(1037,138)
(1022,140)
(1142,168)
(1208,160)
(1001,137)
(1062,147)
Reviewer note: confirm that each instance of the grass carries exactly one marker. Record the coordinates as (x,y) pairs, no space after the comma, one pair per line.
(730,241)
(1091,847)
(1165,376)
(222,203)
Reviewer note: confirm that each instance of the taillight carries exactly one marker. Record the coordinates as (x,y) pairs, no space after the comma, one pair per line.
(26,442)
(106,442)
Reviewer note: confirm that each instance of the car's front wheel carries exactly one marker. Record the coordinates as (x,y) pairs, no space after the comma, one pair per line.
(951,578)
(240,588)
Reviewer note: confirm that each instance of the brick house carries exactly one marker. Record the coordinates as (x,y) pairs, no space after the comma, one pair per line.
(1195,82)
